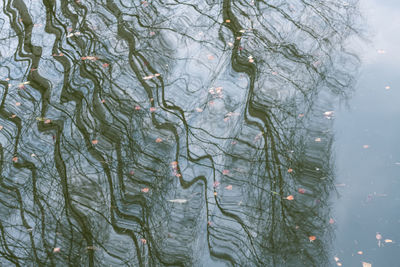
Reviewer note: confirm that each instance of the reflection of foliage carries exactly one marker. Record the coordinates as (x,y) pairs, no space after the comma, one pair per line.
(220,95)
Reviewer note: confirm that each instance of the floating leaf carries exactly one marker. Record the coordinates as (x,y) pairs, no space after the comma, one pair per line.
(388,241)
(290,197)
(302,190)
(225,172)
(229,187)
(290,170)
(144,241)
(15,159)
(318,139)
(312,238)
(95,141)
(366,264)
(331,221)
(178,200)
(359,252)
(158,140)
(55,250)
(378,236)
(145,190)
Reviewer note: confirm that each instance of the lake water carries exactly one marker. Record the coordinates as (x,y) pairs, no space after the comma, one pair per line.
(199,133)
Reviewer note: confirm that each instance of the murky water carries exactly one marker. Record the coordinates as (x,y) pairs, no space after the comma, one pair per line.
(195,133)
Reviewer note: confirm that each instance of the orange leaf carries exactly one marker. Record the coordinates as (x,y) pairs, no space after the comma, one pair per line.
(55,250)
(312,238)
(290,170)
(145,190)
(15,159)
(290,197)
(158,140)
(94,142)
(302,190)
(225,172)
(229,187)
(144,241)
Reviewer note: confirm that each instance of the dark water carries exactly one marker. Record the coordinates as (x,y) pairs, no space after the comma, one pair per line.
(195,133)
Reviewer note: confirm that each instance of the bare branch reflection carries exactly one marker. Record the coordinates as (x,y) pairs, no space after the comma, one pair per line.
(170,133)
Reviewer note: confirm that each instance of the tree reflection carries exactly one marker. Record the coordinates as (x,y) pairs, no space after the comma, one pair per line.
(170,133)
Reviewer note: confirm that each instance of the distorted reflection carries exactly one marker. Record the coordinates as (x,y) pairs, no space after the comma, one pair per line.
(152,133)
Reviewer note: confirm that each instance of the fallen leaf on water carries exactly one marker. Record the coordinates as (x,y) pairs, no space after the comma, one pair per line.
(336,258)
(105,65)
(137,108)
(94,142)
(228,20)
(152,109)
(318,139)
(290,170)
(359,252)
(145,190)
(302,190)
(225,172)
(365,146)
(178,200)
(148,77)
(92,58)
(290,197)
(210,57)
(381,51)
(216,184)
(229,187)
(378,236)
(144,241)
(55,250)
(47,121)
(312,238)
(331,221)
(387,87)
(199,110)
(366,264)
(158,140)
(1,127)
(338,263)
(388,241)
(18,104)
(15,159)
